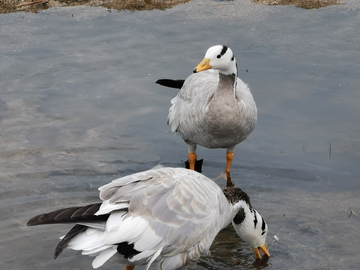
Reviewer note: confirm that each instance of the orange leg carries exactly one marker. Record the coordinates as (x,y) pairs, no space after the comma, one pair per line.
(192,159)
(130,267)
(229,158)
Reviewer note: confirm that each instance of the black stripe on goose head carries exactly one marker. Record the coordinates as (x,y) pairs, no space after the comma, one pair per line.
(240,216)
(263,226)
(255,218)
(223,51)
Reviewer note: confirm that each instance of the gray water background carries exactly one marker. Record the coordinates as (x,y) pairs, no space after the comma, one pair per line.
(79,108)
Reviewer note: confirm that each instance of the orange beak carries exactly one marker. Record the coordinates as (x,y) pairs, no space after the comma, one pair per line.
(204,65)
(264,249)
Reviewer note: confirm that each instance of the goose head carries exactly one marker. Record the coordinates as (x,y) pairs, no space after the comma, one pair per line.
(252,228)
(218,57)
(248,223)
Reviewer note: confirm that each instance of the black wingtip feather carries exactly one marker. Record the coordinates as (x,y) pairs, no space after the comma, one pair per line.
(69,215)
(67,238)
(178,84)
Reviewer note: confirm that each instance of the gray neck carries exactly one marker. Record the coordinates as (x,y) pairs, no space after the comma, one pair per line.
(227,83)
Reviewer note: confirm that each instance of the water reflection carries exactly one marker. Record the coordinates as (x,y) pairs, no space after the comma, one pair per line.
(229,252)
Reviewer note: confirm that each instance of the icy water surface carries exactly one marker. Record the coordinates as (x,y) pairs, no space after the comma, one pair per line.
(79,107)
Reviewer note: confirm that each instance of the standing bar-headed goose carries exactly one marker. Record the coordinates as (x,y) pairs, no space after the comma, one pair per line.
(214,108)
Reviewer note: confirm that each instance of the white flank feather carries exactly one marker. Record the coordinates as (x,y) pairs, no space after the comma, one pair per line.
(148,240)
(103,257)
(106,207)
(97,226)
(96,250)
(173,262)
(89,239)
(129,229)
(143,255)
(115,221)
(153,258)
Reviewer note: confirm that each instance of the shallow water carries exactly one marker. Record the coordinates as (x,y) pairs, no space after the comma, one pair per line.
(79,107)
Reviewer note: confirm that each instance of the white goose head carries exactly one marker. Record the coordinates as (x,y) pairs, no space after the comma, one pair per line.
(248,223)
(218,57)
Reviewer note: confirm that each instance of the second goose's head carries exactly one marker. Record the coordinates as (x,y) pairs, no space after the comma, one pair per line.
(248,223)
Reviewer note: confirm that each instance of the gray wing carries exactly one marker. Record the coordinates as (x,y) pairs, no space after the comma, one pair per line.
(247,107)
(191,103)
(246,101)
(180,207)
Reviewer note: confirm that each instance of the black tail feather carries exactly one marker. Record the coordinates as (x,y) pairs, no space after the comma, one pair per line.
(171,83)
(127,249)
(69,215)
(68,237)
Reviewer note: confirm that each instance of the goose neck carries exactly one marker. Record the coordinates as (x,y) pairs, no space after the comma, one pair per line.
(227,82)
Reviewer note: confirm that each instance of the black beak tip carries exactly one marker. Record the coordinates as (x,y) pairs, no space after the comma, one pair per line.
(194,70)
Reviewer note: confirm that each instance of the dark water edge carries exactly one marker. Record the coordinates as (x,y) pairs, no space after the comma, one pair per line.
(9,6)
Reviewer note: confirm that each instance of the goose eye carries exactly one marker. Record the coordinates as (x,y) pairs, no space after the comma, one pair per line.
(218,56)
(232,59)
